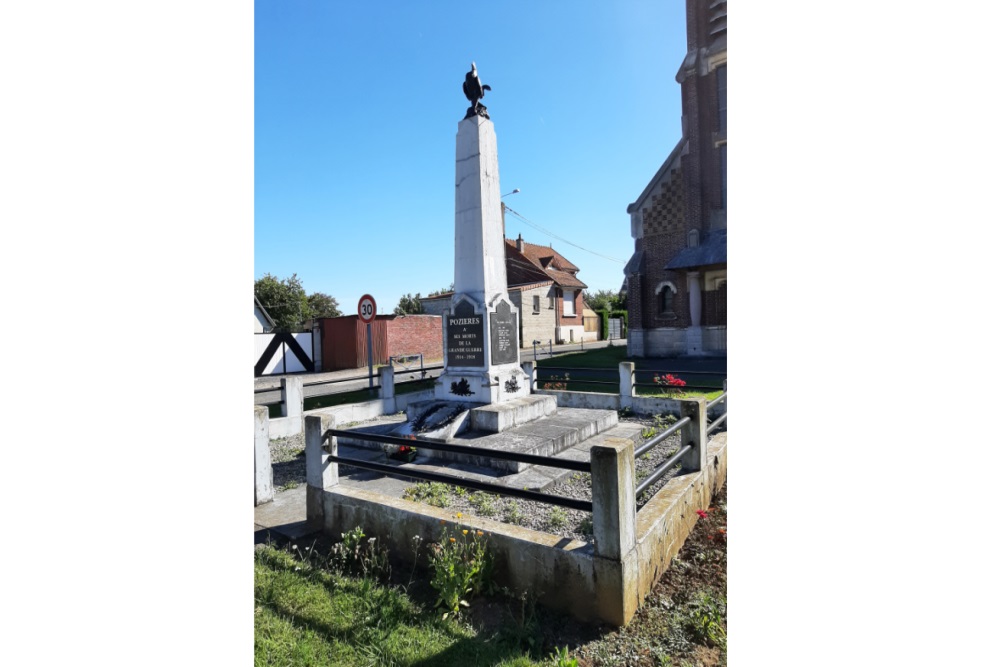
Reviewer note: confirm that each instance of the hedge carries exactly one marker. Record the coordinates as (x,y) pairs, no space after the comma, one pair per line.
(605,316)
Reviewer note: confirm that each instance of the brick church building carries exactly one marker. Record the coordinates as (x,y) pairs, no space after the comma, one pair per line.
(676,279)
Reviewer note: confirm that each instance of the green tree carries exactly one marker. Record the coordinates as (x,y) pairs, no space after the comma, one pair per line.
(605,299)
(409,305)
(323,305)
(443,290)
(285,301)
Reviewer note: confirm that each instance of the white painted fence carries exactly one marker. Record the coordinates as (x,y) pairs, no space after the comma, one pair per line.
(281,358)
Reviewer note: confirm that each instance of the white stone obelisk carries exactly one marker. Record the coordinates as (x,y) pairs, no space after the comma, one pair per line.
(482,358)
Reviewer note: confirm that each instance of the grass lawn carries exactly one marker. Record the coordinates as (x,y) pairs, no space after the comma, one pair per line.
(604,362)
(308,613)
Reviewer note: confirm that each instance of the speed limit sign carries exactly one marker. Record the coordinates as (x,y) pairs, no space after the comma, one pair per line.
(366,308)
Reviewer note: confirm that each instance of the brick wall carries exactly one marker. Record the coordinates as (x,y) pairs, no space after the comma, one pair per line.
(689,194)
(416,334)
(572,320)
(664,234)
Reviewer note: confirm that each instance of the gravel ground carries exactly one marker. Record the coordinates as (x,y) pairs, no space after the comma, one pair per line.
(288,459)
(575,524)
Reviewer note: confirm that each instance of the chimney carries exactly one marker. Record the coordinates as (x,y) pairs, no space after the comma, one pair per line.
(520,243)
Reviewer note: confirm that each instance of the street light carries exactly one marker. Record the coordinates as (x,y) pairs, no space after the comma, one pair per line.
(512,192)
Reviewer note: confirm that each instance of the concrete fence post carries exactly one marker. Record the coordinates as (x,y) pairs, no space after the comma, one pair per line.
(387,389)
(529,369)
(320,473)
(291,397)
(694,432)
(263,473)
(612,470)
(626,384)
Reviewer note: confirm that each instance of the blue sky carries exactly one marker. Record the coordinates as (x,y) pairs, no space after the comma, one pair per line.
(356,106)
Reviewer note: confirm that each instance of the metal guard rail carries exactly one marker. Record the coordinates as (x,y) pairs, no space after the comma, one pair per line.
(661,437)
(395,471)
(716,424)
(685,387)
(662,469)
(266,390)
(607,371)
(655,372)
(359,378)
(563,379)
(565,464)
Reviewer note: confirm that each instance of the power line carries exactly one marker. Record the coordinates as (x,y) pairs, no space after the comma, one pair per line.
(557,237)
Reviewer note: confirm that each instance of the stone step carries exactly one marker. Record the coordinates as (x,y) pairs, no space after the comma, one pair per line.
(540,478)
(501,417)
(546,436)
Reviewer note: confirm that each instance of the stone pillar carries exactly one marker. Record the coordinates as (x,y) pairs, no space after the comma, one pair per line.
(480,258)
(693,335)
(694,432)
(482,355)
(626,385)
(263,473)
(529,369)
(291,397)
(694,295)
(320,473)
(612,469)
(387,389)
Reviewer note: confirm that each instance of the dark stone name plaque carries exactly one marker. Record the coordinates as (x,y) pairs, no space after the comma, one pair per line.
(503,335)
(465,337)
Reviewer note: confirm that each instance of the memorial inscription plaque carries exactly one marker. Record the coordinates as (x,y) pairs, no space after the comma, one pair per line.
(465,337)
(503,335)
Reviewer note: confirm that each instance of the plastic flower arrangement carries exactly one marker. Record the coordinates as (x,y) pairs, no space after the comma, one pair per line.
(671,385)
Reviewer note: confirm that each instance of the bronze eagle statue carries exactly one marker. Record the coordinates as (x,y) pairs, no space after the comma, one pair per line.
(474,91)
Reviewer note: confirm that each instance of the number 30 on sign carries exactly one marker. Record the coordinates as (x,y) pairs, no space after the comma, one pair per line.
(366,308)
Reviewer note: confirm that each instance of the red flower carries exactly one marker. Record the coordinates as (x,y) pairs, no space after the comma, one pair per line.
(702,513)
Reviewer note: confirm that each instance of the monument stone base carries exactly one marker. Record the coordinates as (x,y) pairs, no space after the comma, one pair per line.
(500,417)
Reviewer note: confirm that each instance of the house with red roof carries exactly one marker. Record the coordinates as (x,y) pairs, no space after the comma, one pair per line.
(546,290)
